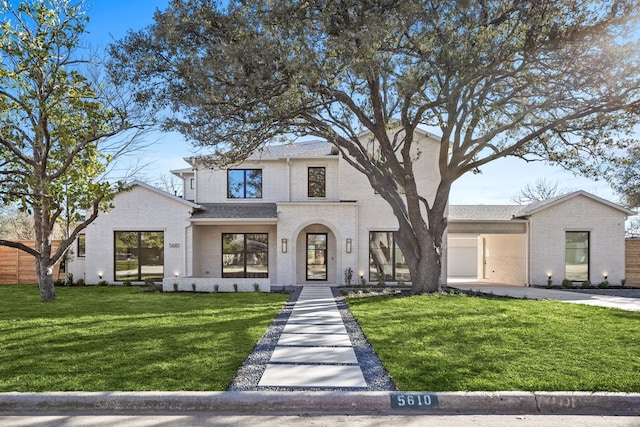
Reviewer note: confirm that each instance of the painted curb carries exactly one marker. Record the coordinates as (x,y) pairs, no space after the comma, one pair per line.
(327,402)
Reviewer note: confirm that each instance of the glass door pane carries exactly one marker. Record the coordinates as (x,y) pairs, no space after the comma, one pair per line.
(317,256)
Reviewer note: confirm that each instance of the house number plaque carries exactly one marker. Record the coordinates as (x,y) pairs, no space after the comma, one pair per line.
(414,401)
(174,245)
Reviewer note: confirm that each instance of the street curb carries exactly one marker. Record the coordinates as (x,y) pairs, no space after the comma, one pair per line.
(326,402)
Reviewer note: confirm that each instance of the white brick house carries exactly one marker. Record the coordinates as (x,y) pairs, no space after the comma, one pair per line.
(299,213)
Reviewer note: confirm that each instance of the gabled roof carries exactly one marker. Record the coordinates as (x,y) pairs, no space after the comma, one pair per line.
(545,204)
(161,193)
(236,211)
(484,212)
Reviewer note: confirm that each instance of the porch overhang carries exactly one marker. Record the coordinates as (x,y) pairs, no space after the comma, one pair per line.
(237,221)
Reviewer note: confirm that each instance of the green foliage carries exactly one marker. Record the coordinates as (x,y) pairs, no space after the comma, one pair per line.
(117,338)
(492,344)
(566,283)
(603,284)
(54,122)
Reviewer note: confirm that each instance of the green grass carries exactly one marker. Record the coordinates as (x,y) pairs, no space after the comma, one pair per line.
(446,343)
(117,338)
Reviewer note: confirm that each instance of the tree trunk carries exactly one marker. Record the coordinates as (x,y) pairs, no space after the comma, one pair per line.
(425,278)
(45,281)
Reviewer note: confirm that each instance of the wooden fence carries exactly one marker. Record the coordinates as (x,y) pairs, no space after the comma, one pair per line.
(19,267)
(632,261)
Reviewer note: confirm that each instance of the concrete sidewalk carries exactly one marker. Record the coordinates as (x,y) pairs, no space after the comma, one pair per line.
(314,349)
(624,303)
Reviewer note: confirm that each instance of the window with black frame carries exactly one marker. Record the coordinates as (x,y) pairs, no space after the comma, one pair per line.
(245,255)
(82,246)
(244,183)
(139,255)
(316,182)
(386,261)
(577,256)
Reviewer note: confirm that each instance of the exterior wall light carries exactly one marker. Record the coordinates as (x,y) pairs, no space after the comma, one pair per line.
(284,246)
(349,246)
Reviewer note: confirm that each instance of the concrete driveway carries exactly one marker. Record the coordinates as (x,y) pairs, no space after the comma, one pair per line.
(613,301)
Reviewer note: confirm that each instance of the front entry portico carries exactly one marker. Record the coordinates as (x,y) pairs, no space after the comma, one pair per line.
(316,255)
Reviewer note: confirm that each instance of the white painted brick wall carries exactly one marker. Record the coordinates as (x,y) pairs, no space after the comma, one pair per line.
(606,227)
(137,210)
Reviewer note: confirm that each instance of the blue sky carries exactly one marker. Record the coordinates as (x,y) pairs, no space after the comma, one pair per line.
(498,182)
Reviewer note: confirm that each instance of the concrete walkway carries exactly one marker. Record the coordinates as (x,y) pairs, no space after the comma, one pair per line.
(314,349)
(624,303)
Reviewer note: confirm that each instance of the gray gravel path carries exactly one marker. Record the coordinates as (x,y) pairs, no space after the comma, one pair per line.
(251,371)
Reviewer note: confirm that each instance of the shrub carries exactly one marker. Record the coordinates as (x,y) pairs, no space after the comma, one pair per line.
(566,283)
(256,287)
(149,281)
(193,287)
(103,283)
(622,282)
(348,276)
(586,284)
(126,282)
(80,282)
(235,287)
(175,287)
(59,282)
(69,279)
(603,284)
(216,288)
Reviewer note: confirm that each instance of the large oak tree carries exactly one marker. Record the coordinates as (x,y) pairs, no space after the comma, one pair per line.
(553,80)
(55,125)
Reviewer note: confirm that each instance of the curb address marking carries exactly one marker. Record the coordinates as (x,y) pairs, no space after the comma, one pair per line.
(414,401)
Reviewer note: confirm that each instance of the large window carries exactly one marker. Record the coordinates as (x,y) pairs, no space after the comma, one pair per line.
(244,183)
(139,255)
(317,180)
(245,255)
(386,261)
(577,256)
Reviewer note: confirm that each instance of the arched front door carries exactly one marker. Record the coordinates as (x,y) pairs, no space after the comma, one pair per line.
(316,256)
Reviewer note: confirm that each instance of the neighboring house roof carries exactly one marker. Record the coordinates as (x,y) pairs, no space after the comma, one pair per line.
(545,204)
(161,193)
(484,212)
(236,211)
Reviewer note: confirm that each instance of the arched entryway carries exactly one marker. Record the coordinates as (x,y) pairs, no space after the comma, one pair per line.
(316,255)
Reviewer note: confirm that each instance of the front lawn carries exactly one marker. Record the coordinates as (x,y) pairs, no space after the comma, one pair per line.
(118,338)
(448,343)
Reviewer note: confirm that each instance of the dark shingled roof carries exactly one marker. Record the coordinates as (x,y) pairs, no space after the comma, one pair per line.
(484,212)
(236,210)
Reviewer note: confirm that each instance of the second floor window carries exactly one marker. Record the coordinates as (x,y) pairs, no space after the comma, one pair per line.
(317,182)
(244,183)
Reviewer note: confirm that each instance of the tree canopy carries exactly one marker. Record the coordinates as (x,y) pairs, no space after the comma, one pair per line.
(55,121)
(547,80)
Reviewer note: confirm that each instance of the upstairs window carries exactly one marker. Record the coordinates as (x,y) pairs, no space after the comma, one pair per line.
(244,184)
(317,182)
